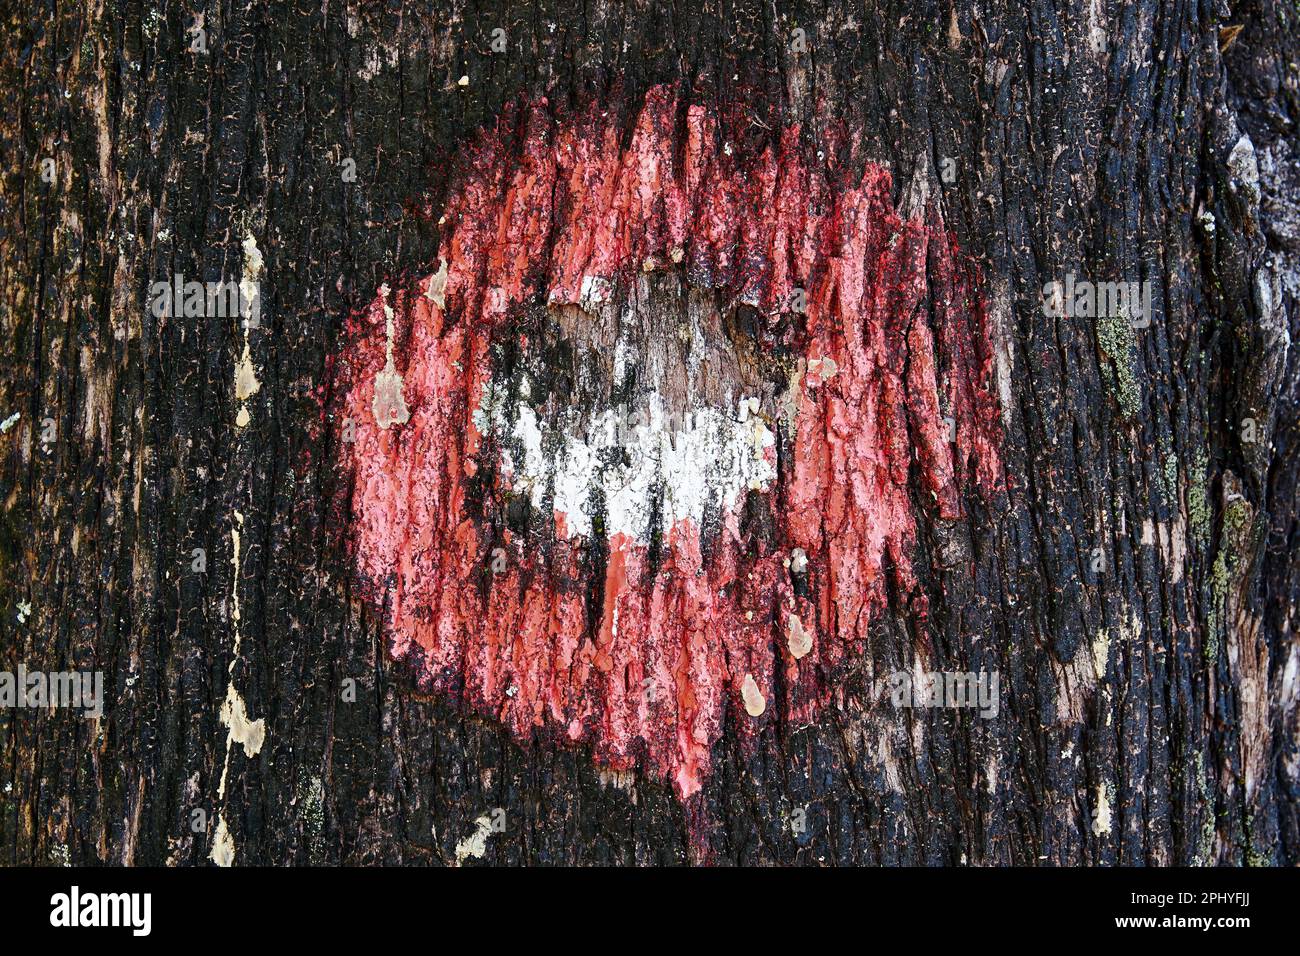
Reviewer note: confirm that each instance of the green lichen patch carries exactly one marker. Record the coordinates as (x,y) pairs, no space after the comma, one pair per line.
(1205,844)
(1120,345)
(1198,502)
(311,796)
(1169,479)
(1237,518)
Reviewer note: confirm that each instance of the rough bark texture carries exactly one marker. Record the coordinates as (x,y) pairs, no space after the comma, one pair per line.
(1148,700)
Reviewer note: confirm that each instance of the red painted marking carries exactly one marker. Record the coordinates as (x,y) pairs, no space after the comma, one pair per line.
(524,645)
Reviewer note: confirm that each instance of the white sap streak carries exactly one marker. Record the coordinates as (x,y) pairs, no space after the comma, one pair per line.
(249,734)
(250,291)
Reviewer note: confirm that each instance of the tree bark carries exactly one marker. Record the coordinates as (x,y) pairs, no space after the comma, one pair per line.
(1133,583)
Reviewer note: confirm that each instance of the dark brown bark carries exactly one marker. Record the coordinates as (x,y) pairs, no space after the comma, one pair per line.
(1149,712)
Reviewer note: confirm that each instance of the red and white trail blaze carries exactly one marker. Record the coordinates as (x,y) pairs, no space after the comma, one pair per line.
(638,605)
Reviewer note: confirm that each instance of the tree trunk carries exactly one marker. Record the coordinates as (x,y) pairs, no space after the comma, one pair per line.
(203,507)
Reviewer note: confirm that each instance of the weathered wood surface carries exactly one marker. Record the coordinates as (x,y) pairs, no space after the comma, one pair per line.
(1148,711)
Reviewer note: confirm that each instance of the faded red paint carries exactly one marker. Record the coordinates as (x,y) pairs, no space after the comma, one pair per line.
(530,223)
